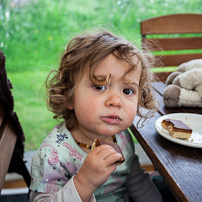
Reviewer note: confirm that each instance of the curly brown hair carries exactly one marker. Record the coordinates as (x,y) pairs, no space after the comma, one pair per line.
(88,49)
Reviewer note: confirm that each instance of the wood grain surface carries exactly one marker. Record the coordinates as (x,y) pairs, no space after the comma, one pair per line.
(180,166)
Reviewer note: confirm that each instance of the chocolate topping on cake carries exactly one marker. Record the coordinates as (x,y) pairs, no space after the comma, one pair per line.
(178,125)
(177,128)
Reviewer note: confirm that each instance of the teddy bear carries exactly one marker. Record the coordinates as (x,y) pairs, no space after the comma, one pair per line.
(184,86)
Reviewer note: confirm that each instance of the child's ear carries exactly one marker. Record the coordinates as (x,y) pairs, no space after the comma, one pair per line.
(70,105)
(67,102)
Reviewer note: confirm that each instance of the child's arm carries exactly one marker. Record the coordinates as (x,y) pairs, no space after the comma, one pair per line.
(67,194)
(95,170)
(97,167)
(140,187)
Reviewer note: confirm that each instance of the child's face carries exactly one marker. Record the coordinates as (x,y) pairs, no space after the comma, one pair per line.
(110,109)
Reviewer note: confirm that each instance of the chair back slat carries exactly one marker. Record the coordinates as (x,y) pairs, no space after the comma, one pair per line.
(173,24)
(176,60)
(177,38)
(187,43)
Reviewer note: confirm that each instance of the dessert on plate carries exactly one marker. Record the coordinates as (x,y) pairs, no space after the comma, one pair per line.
(177,128)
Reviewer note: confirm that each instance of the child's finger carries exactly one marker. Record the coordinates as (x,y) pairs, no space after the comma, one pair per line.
(105,153)
(113,158)
(109,155)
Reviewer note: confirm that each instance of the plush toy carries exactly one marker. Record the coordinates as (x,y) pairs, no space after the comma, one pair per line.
(184,87)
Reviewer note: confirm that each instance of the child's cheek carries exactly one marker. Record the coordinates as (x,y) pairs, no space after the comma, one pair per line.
(87,113)
(132,110)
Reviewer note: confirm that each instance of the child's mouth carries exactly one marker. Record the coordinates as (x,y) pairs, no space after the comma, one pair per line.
(112,119)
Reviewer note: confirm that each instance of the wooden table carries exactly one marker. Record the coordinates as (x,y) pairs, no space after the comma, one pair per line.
(180,166)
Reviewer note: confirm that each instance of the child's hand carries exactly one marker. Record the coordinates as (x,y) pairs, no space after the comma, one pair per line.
(96,169)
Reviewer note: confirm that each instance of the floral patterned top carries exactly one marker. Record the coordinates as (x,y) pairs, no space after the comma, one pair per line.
(59,158)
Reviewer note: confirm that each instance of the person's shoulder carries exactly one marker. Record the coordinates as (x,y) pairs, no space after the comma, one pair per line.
(57,136)
(55,145)
(125,140)
(56,139)
(126,133)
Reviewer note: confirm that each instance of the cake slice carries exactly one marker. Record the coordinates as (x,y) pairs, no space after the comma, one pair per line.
(177,128)
(116,147)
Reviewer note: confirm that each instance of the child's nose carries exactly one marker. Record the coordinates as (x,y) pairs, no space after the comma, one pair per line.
(113,101)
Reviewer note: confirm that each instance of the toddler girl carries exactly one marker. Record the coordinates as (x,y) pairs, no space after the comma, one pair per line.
(102,82)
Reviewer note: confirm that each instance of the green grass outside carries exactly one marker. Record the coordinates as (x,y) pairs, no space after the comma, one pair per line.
(34,36)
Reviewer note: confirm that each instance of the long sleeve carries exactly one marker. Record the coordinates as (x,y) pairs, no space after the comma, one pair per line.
(67,194)
(139,187)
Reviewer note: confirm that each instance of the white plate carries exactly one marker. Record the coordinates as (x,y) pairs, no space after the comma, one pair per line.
(194,121)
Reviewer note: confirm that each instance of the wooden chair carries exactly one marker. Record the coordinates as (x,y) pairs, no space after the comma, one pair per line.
(173,32)
(11,133)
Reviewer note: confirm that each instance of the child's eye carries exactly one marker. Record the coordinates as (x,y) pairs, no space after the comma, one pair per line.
(99,87)
(128,91)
